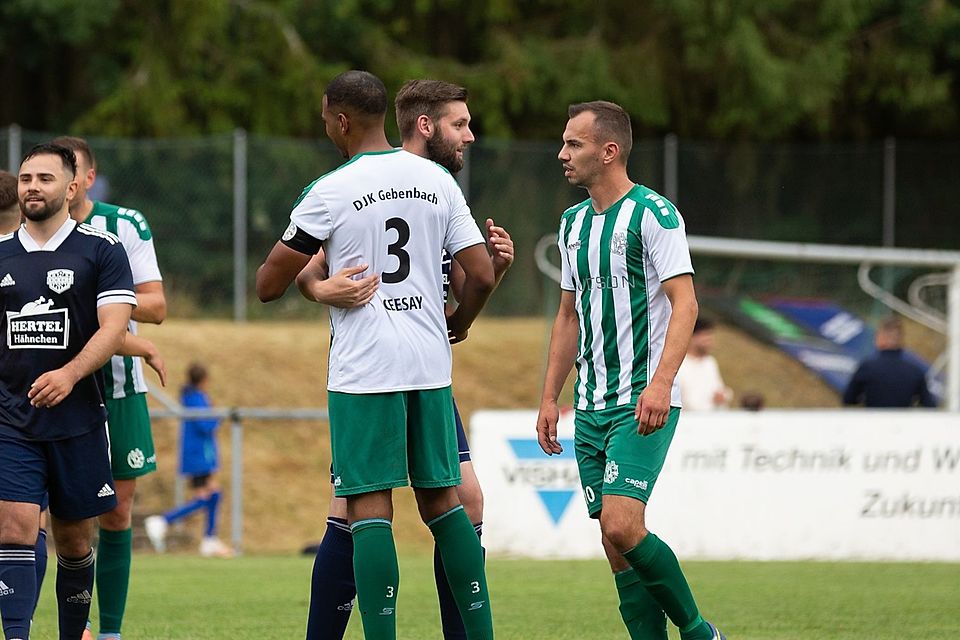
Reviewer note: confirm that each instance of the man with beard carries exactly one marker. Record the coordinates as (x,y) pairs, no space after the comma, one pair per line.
(66,295)
(391,410)
(434,123)
(125,393)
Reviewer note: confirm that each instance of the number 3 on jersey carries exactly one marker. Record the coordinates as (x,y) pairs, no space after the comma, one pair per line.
(396,249)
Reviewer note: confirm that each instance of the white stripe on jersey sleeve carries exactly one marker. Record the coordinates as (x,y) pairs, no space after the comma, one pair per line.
(140,252)
(116,296)
(312,214)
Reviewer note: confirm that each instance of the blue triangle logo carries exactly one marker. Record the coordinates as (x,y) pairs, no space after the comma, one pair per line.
(555,501)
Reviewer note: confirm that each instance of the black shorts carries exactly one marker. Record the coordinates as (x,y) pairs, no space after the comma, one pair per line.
(75,472)
(200,481)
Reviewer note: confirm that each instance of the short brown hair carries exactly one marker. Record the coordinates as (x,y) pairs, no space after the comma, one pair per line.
(196,373)
(77,145)
(8,191)
(611,122)
(424,98)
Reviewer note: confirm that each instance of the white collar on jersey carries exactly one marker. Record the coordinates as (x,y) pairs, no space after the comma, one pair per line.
(53,243)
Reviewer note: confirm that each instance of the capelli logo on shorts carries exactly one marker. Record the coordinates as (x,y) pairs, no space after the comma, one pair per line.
(136,459)
(639,484)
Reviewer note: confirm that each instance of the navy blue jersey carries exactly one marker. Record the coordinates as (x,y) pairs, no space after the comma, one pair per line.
(48,311)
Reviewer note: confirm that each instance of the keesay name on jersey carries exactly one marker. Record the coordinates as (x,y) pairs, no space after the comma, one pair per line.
(394,194)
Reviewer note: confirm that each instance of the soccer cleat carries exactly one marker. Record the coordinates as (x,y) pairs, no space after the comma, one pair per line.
(156,527)
(212,547)
(717,634)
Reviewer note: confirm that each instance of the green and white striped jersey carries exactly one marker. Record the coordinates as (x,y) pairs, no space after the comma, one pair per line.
(614,262)
(123,375)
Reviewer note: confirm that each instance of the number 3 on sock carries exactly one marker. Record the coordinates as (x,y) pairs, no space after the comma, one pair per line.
(390,591)
(475,587)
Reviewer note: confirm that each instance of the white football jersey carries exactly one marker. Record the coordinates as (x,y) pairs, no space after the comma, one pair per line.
(394,211)
(123,375)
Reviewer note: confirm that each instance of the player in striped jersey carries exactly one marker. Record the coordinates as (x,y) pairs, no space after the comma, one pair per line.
(434,123)
(131,442)
(627,311)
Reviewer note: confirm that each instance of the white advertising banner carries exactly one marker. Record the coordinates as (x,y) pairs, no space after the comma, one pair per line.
(768,485)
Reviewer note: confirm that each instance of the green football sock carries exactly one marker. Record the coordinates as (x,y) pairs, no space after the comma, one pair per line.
(114,554)
(644,618)
(377,576)
(659,571)
(463,562)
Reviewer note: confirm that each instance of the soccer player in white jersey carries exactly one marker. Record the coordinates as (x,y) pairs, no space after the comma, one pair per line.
(131,441)
(434,123)
(627,311)
(391,411)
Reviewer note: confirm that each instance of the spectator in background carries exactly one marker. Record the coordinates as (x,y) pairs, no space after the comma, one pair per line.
(752,401)
(9,205)
(198,461)
(887,379)
(701,387)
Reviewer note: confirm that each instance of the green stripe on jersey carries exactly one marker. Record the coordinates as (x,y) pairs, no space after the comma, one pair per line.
(610,276)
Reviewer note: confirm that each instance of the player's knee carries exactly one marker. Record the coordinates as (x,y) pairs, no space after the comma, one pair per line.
(471,497)
(622,533)
(120,519)
(432,503)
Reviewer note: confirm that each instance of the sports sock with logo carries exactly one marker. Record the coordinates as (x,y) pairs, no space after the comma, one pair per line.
(377,574)
(463,562)
(644,618)
(114,555)
(74,593)
(40,551)
(213,501)
(178,513)
(659,571)
(333,587)
(18,587)
(450,620)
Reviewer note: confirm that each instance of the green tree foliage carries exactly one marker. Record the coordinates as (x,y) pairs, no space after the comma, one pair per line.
(724,69)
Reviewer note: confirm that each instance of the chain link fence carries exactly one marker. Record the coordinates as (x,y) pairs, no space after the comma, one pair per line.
(197,192)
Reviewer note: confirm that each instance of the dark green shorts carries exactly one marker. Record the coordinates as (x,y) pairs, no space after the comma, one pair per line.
(131,442)
(614,459)
(379,440)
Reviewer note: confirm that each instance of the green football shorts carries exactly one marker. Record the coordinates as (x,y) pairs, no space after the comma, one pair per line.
(614,459)
(131,442)
(379,440)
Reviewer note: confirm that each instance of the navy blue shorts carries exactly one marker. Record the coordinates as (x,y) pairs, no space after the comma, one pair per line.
(75,472)
(463,447)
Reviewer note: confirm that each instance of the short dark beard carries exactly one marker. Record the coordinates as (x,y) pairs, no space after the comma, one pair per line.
(444,153)
(49,210)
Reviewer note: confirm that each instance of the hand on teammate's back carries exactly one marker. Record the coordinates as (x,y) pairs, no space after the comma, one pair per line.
(341,290)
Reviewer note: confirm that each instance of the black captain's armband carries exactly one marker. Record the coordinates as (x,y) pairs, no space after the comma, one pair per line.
(301,241)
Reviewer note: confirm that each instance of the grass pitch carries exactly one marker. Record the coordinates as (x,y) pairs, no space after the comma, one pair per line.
(181,597)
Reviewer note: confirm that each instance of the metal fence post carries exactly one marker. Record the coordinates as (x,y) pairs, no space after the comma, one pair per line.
(953,342)
(889,191)
(236,486)
(240,225)
(13,148)
(670,167)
